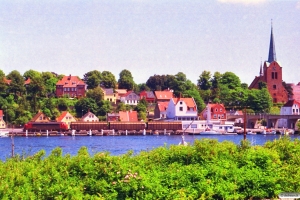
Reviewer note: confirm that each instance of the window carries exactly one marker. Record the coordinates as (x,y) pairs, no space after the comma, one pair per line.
(180,108)
(180,102)
(222,116)
(215,116)
(216,109)
(221,109)
(275,75)
(274,87)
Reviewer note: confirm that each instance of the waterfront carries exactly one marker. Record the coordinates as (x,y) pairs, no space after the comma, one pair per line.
(116,145)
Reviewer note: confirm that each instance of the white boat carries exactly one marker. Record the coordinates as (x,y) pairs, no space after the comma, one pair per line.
(210,132)
(183,142)
(4,133)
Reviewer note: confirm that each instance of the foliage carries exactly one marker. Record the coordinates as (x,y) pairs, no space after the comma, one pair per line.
(108,80)
(206,170)
(93,79)
(96,94)
(126,80)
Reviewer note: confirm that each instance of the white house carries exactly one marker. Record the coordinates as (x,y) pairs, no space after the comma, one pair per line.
(130,98)
(90,117)
(184,109)
(292,107)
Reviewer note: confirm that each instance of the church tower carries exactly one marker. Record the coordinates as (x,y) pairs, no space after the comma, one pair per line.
(271,74)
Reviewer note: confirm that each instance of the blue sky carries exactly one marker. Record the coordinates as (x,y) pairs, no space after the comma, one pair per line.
(149,37)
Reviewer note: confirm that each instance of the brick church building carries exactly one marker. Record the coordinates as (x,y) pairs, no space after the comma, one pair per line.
(271,74)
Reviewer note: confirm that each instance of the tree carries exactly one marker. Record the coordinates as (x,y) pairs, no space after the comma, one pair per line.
(231,80)
(96,94)
(108,80)
(16,85)
(126,80)
(104,108)
(92,79)
(83,105)
(3,85)
(50,81)
(204,81)
(36,88)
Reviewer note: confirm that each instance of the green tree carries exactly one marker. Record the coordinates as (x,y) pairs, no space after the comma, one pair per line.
(104,108)
(83,105)
(231,80)
(108,80)
(96,94)
(3,85)
(16,85)
(93,79)
(204,81)
(50,81)
(126,80)
(36,88)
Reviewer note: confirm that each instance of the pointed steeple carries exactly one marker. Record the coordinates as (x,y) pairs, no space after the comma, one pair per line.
(272,52)
(261,71)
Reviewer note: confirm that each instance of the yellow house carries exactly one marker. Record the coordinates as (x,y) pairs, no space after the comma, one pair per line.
(40,117)
(66,117)
(109,95)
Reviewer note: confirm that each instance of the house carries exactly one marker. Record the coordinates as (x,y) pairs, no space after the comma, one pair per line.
(66,117)
(109,95)
(148,96)
(71,86)
(2,122)
(113,117)
(40,117)
(292,107)
(130,98)
(160,110)
(237,112)
(182,109)
(26,82)
(214,112)
(271,74)
(89,117)
(165,95)
(120,93)
(296,91)
(128,116)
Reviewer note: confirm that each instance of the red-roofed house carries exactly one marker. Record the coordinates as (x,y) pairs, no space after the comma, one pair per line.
(27,82)
(165,95)
(66,117)
(40,117)
(128,116)
(182,109)
(160,110)
(113,117)
(214,112)
(148,96)
(71,86)
(2,122)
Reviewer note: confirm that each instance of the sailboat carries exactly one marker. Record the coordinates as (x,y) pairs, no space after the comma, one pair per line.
(183,142)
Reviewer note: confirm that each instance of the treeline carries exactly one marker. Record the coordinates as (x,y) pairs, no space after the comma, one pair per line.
(206,170)
(21,102)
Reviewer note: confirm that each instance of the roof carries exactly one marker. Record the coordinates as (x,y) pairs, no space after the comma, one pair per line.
(121,91)
(290,103)
(70,81)
(131,95)
(128,116)
(113,114)
(149,94)
(162,106)
(188,101)
(108,91)
(212,105)
(89,113)
(27,81)
(163,95)
(37,116)
(62,116)
(1,113)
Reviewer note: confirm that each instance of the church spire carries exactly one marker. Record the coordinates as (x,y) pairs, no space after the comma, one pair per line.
(260,71)
(272,53)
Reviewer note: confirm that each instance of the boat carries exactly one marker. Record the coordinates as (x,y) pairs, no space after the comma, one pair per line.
(268,132)
(208,131)
(4,133)
(183,142)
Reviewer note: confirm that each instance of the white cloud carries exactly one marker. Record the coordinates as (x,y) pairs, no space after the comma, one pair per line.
(246,2)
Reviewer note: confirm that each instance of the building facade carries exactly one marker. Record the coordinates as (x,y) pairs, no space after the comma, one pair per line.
(271,74)
(70,86)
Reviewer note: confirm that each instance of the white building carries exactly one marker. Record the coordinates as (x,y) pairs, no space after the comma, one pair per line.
(184,109)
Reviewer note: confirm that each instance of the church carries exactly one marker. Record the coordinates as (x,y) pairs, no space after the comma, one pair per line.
(271,74)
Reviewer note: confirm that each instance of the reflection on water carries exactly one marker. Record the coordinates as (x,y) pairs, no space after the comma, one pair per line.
(116,145)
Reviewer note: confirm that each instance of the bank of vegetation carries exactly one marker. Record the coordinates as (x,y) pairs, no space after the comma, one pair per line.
(208,169)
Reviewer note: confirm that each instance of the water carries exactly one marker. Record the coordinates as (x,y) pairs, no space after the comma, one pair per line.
(116,145)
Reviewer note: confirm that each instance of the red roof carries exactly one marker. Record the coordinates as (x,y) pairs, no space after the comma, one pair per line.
(188,101)
(62,116)
(1,113)
(162,106)
(70,81)
(163,95)
(128,116)
(290,103)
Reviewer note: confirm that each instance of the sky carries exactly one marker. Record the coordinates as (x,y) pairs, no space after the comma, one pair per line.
(149,37)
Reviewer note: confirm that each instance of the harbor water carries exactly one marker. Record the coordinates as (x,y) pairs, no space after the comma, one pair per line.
(115,145)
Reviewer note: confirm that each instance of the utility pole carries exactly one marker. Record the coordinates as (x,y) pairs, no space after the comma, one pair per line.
(245,121)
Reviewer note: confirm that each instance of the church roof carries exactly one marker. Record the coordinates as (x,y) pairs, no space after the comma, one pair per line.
(272,52)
